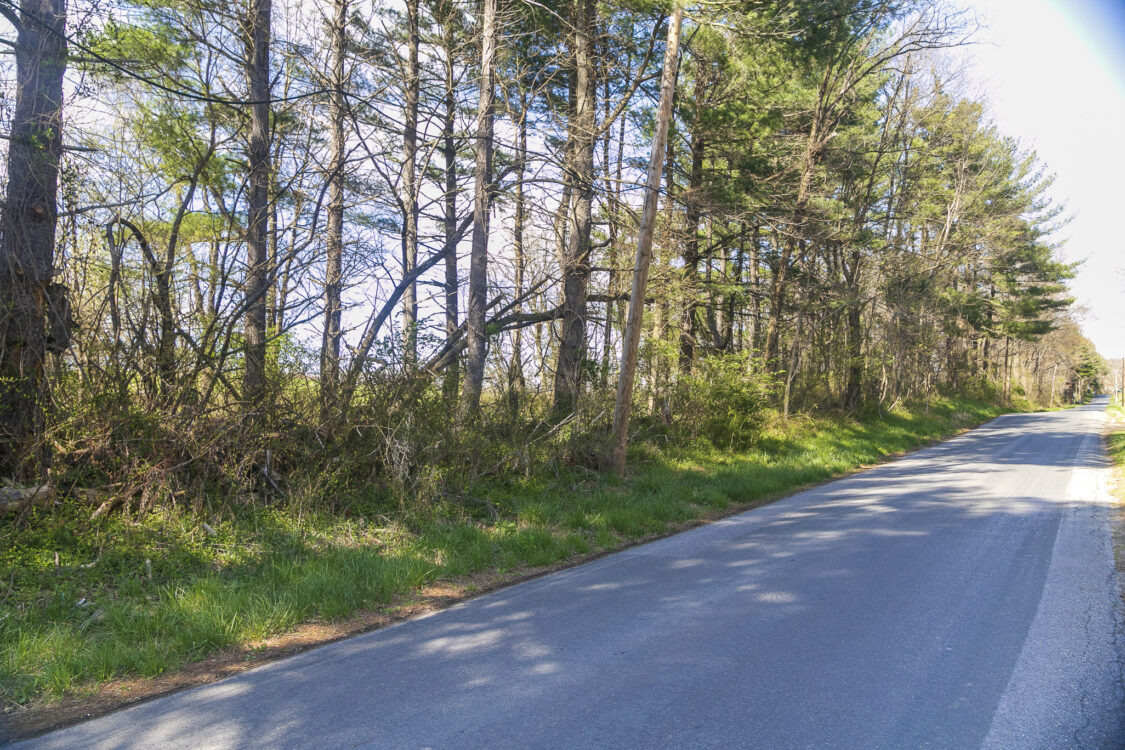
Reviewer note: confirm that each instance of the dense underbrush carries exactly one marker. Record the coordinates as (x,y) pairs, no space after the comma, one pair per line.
(167,540)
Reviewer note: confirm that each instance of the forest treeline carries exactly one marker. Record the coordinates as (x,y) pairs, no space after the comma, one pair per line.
(351,244)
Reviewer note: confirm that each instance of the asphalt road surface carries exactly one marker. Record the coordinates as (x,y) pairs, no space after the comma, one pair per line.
(964,596)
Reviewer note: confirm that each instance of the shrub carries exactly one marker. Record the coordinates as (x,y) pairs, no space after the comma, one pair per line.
(980,388)
(724,399)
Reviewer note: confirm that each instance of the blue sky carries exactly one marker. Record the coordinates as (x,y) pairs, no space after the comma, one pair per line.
(1053,72)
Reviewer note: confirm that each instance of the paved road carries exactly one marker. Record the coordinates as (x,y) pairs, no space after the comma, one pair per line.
(961,597)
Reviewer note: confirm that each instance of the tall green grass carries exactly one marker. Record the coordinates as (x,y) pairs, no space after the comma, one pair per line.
(145,595)
(1115,441)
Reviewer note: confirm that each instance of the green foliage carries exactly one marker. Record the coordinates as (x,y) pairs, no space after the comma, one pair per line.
(143,593)
(916,218)
(981,388)
(150,47)
(724,399)
(1089,372)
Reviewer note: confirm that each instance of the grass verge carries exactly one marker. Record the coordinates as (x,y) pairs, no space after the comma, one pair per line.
(1115,448)
(84,603)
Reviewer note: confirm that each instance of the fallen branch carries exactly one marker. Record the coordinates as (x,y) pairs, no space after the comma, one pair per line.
(15,498)
(106,507)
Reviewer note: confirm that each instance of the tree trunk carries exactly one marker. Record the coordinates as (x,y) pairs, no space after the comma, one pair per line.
(334,238)
(482,201)
(162,291)
(273,294)
(659,402)
(688,325)
(634,322)
(29,221)
(611,250)
(409,196)
(515,367)
(1006,388)
(794,362)
(257,202)
(778,285)
(733,298)
(449,153)
(855,358)
(776,300)
(755,296)
(576,264)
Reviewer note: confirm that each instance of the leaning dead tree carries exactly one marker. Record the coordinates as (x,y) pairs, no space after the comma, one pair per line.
(644,248)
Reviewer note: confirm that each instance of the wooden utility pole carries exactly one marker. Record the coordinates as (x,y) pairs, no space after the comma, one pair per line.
(632,339)
(1121,393)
